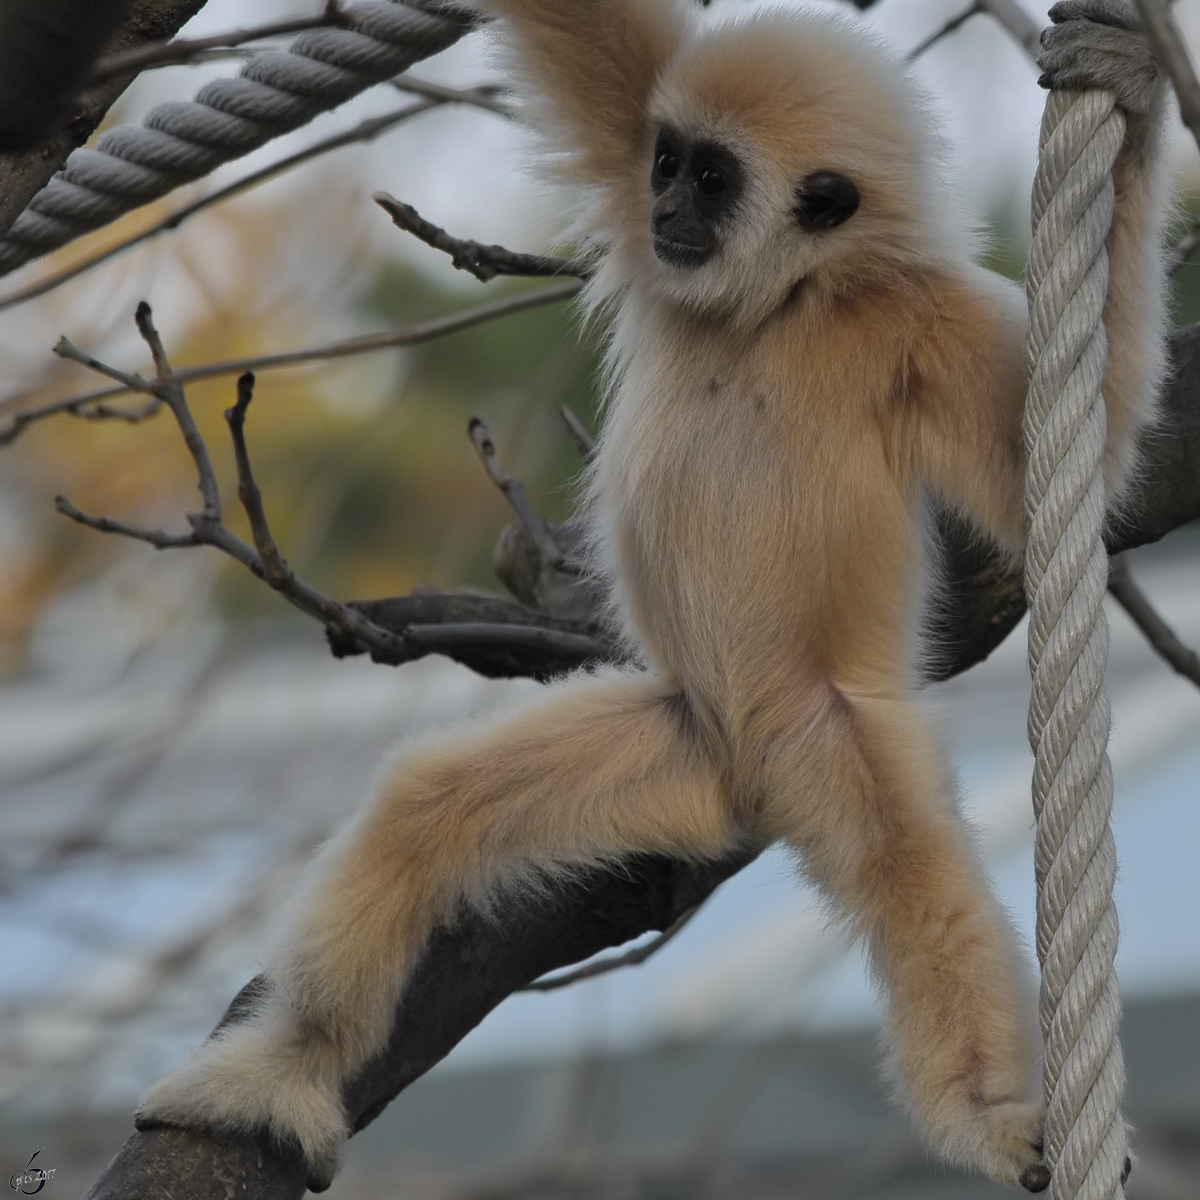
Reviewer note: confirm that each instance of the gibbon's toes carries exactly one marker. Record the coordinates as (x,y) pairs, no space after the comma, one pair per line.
(1013,1145)
(245,1081)
(1036,1178)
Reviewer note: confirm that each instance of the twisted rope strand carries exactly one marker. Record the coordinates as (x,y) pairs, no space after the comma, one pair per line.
(1066,573)
(180,141)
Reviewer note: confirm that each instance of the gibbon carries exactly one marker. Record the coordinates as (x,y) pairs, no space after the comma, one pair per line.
(802,351)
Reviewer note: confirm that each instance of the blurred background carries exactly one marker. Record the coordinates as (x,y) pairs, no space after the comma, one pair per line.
(174,740)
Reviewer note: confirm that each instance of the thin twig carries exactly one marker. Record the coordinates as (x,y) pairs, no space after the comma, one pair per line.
(364,131)
(423,331)
(1016,22)
(483,96)
(1171,52)
(183,50)
(207,528)
(158,538)
(170,391)
(631,958)
(948,28)
(1182,250)
(484,262)
(578,431)
(514,493)
(275,570)
(1158,633)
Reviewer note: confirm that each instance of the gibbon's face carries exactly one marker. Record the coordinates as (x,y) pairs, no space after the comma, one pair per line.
(699,186)
(783,151)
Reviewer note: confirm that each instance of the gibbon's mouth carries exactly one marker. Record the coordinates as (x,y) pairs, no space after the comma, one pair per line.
(684,255)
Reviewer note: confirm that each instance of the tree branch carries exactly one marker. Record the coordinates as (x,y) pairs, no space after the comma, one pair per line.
(484,262)
(1158,633)
(184,50)
(90,404)
(1171,52)
(631,958)
(514,493)
(945,30)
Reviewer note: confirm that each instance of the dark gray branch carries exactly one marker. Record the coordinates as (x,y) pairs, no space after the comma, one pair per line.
(484,262)
(24,173)
(1158,633)
(514,492)
(471,965)
(184,50)
(92,404)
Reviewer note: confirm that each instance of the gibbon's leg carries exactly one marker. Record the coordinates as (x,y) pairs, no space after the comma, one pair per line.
(601,765)
(864,797)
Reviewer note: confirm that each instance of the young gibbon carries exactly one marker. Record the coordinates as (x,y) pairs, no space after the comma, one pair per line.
(802,349)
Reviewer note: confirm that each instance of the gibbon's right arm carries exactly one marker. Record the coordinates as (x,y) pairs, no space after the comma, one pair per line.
(590,67)
(968,373)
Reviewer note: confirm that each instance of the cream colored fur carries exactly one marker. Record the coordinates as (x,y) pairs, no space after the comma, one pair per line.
(775,418)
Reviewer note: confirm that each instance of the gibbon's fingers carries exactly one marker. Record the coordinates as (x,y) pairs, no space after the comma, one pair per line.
(876,824)
(602,765)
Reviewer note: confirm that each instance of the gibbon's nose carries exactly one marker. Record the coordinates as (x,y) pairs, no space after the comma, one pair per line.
(682,237)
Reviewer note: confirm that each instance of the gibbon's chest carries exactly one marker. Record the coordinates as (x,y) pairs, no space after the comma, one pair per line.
(723,484)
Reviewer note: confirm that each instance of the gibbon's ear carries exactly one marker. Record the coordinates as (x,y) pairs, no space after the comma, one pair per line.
(824,201)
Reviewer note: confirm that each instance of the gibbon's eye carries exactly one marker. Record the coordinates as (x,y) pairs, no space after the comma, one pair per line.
(824,201)
(668,163)
(710,181)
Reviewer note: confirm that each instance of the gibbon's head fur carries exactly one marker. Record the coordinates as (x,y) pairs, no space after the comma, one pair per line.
(780,148)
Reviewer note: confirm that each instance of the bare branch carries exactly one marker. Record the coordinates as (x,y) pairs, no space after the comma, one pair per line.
(1015,21)
(158,538)
(184,50)
(514,493)
(1171,52)
(423,331)
(483,96)
(578,431)
(948,28)
(631,958)
(364,131)
(65,348)
(207,528)
(448,637)
(1158,633)
(484,262)
(275,571)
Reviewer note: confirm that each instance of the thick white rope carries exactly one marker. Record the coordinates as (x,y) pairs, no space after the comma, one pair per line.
(1066,573)
(274,93)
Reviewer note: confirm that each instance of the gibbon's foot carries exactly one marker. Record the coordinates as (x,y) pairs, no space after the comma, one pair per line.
(1036,1178)
(249,1079)
(1007,1145)
(1100,44)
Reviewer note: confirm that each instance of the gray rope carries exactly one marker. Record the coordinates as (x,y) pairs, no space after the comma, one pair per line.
(275,92)
(1066,572)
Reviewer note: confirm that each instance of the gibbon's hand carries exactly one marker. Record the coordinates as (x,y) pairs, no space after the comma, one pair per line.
(1100,44)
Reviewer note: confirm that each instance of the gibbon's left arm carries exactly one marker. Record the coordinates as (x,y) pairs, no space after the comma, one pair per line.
(967,375)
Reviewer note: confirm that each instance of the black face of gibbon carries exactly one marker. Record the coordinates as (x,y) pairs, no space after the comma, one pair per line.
(698,185)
